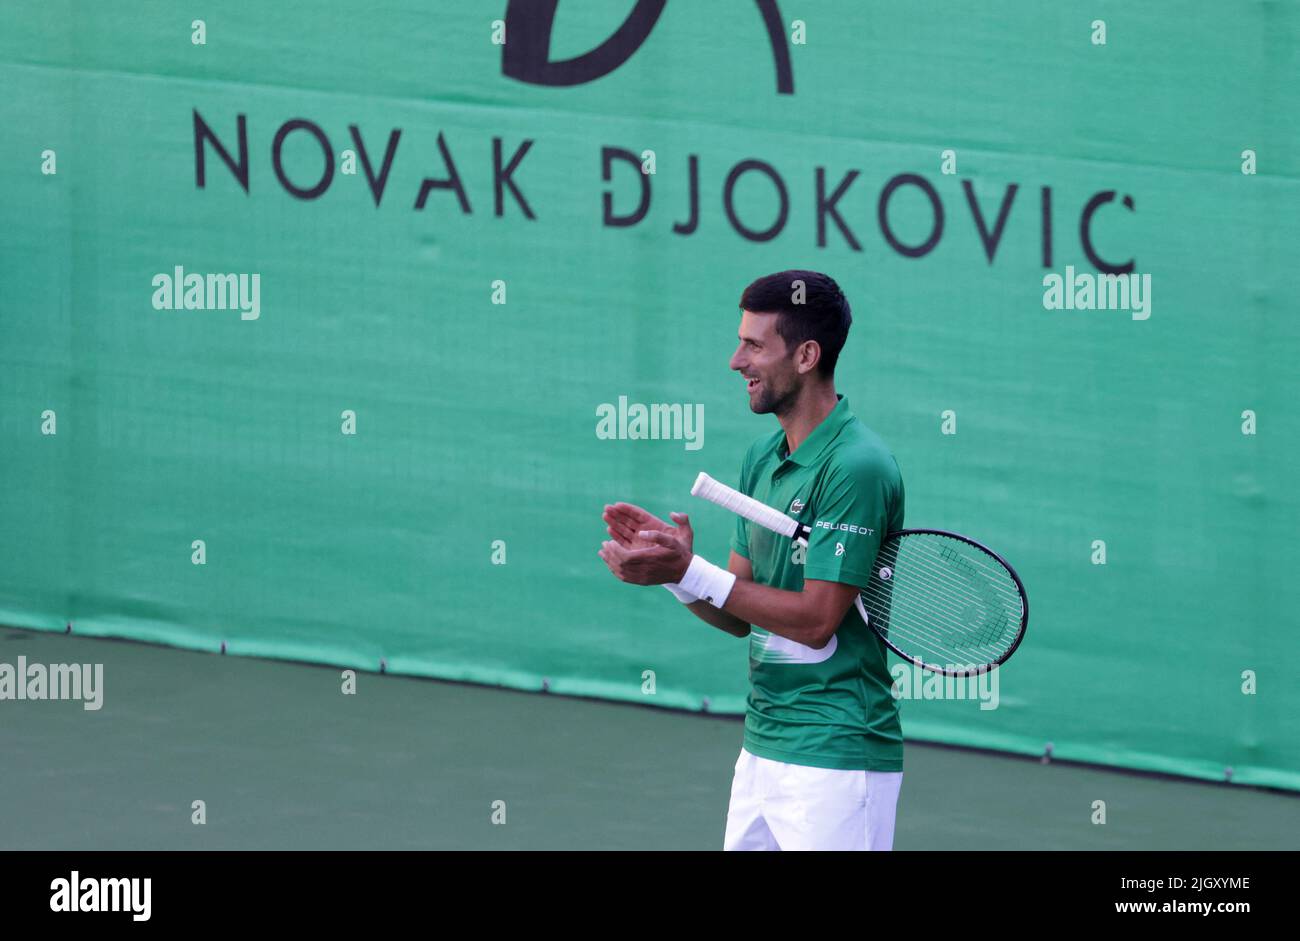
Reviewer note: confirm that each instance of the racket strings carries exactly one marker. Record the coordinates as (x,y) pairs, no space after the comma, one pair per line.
(956,595)
(925,642)
(929,648)
(931,639)
(947,620)
(991,578)
(973,578)
(945,599)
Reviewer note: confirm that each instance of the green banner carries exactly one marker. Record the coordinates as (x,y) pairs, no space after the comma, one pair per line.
(326,333)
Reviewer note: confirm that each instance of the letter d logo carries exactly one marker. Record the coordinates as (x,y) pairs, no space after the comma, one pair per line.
(526,55)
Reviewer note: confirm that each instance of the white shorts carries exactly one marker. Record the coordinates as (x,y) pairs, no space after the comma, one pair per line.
(779,806)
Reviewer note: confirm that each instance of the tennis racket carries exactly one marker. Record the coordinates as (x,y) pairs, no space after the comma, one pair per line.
(938,599)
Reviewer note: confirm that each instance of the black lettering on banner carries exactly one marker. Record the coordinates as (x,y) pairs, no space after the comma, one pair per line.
(287,128)
(451,183)
(1085,233)
(376,185)
(203,133)
(826,207)
(882,212)
(607,157)
(502,178)
(1046,206)
(755,235)
(990,242)
(692,223)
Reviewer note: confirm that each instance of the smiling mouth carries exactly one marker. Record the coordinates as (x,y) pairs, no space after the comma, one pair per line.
(751,384)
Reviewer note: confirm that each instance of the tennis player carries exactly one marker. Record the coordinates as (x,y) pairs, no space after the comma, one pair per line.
(822,759)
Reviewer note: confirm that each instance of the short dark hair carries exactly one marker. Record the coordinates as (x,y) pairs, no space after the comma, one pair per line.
(823,316)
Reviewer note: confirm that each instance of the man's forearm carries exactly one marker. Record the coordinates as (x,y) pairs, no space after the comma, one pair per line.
(784,613)
(779,612)
(719,618)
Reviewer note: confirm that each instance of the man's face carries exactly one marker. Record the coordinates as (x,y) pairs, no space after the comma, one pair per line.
(763,360)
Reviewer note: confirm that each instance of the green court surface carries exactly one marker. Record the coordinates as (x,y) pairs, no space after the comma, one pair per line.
(283,760)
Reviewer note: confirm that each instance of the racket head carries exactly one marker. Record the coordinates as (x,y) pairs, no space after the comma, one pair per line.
(945,602)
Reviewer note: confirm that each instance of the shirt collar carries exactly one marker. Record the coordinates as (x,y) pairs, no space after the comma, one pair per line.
(821,436)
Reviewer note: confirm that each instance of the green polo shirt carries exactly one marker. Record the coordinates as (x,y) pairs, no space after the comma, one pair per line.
(828,708)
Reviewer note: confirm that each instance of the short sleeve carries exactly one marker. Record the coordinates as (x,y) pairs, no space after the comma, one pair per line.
(740,538)
(854,507)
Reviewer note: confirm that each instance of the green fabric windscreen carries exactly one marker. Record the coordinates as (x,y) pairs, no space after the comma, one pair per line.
(475,262)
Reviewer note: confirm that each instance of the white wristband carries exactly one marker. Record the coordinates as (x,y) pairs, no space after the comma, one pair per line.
(685,597)
(708,582)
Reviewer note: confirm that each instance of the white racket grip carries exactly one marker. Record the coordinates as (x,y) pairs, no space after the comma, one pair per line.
(731,499)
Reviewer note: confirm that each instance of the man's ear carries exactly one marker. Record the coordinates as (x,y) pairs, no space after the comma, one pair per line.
(809,355)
